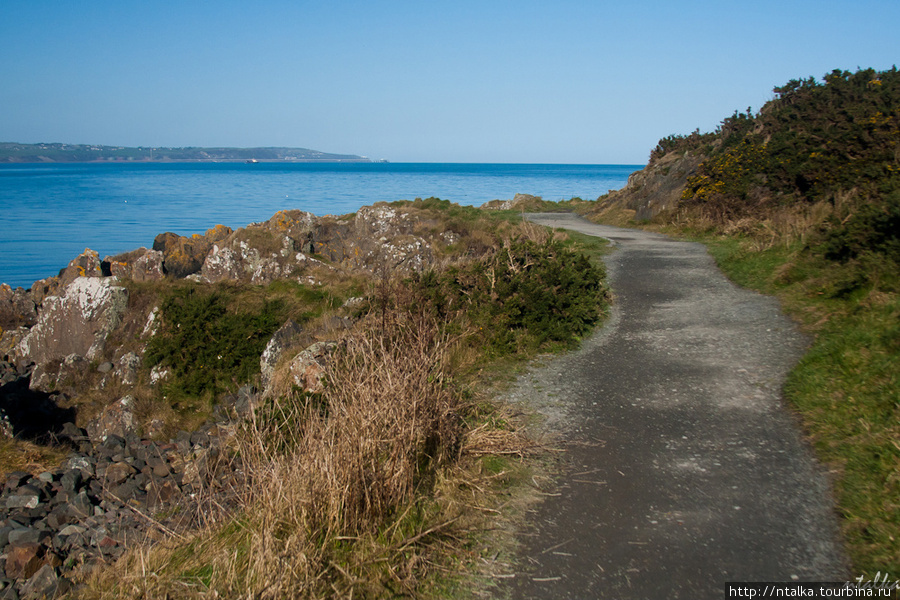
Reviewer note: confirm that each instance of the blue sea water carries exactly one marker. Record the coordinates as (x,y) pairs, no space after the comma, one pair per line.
(52,212)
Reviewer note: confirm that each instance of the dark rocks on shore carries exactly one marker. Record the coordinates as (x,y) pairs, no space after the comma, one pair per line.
(108,495)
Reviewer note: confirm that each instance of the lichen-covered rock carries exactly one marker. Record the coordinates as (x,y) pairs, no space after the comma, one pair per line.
(222,264)
(42,288)
(86,264)
(149,267)
(17,308)
(297,225)
(9,340)
(76,322)
(127,368)
(182,256)
(217,233)
(116,419)
(307,369)
(138,265)
(255,255)
(55,374)
(377,237)
(281,340)
(519,201)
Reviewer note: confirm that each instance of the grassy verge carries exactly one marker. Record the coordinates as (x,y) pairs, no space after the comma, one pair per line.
(846,389)
(390,482)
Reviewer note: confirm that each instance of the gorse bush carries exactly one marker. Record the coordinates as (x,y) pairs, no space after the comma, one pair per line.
(527,292)
(207,347)
(813,140)
(820,164)
(872,228)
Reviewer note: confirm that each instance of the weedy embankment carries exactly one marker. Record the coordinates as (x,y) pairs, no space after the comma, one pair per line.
(383,484)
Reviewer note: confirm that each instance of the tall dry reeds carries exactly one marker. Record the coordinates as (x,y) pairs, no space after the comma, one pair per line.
(338,502)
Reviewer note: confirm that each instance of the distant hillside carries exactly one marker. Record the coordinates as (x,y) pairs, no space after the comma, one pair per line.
(37,153)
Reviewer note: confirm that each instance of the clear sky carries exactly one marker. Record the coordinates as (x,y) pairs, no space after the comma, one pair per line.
(553,81)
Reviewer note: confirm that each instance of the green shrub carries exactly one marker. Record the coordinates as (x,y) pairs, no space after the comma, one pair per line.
(814,140)
(525,293)
(207,347)
(873,228)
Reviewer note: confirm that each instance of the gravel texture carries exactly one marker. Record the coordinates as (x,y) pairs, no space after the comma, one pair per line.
(684,470)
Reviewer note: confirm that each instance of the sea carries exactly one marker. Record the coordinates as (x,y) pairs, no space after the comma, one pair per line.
(51,212)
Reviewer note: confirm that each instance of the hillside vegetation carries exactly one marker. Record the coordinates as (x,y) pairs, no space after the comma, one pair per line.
(802,200)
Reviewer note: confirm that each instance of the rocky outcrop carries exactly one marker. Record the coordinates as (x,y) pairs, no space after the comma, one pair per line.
(655,188)
(286,337)
(255,255)
(378,237)
(137,265)
(116,419)
(519,202)
(86,264)
(76,322)
(17,308)
(72,349)
(307,369)
(182,256)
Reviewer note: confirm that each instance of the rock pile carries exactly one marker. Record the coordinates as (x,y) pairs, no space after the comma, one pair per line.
(105,496)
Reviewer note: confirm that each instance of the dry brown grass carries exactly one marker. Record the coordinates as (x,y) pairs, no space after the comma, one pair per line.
(777,226)
(337,503)
(21,455)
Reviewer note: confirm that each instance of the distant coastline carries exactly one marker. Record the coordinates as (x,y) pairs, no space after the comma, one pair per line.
(12,152)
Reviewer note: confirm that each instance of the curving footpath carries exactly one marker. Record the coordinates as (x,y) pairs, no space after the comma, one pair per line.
(683,469)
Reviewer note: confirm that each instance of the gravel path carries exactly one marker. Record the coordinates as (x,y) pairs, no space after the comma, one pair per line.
(683,470)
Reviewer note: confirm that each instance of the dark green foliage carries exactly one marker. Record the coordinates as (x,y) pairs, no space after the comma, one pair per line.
(208,347)
(525,293)
(813,140)
(872,228)
(696,141)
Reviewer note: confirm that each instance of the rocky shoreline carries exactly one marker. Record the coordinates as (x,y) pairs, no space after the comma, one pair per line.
(126,480)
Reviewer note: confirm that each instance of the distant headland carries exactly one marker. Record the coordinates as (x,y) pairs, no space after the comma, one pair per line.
(11,152)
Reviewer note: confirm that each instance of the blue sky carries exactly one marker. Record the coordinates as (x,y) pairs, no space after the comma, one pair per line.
(553,81)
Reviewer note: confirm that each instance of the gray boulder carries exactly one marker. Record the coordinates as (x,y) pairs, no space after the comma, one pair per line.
(287,336)
(76,322)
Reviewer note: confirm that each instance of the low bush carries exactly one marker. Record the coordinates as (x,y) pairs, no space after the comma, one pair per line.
(527,294)
(206,346)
